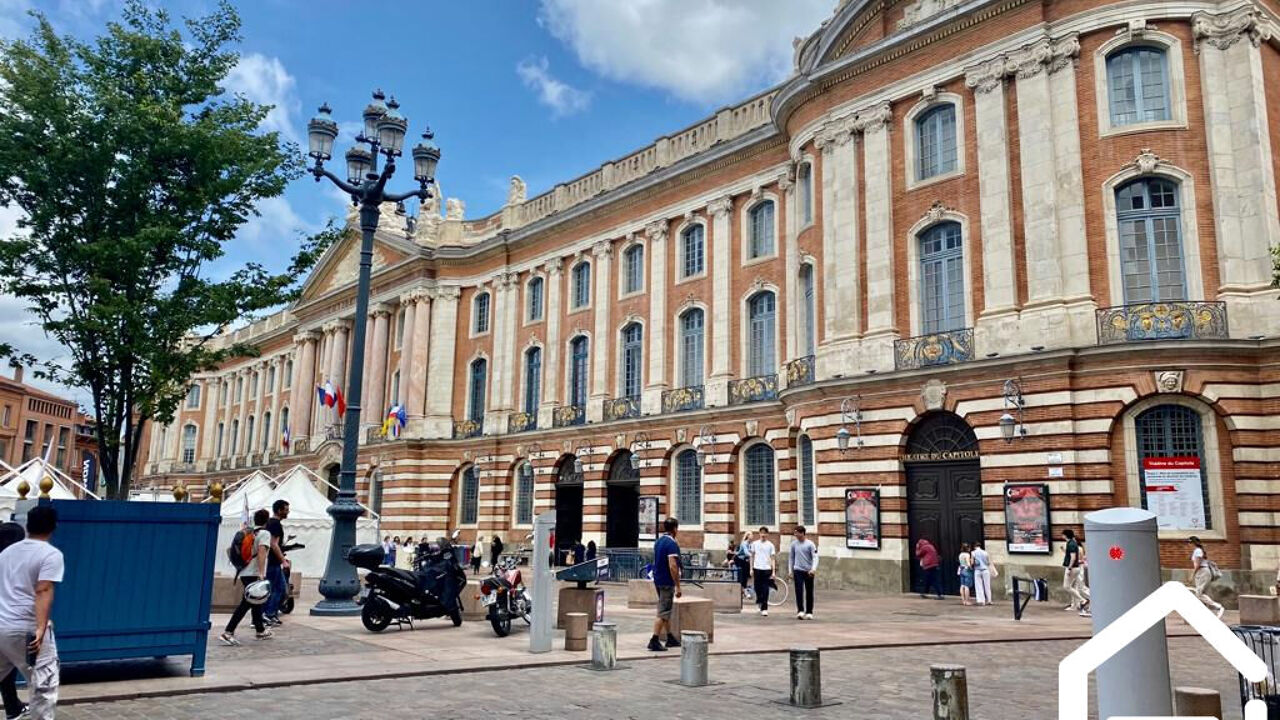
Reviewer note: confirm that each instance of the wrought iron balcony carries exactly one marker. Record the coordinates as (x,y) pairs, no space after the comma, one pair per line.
(522,422)
(569,415)
(622,408)
(467,428)
(1180,320)
(800,371)
(682,399)
(944,348)
(753,389)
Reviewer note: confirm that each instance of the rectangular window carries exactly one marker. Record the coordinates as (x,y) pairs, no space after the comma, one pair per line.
(395,387)
(806,193)
(8,415)
(481,323)
(29,440)
(287,380)
(271,379)
(691,349)
(936,140)
(689,488)
(63,435)
(470,496)
(524,497)
(761,358)
(535,299)
(400,329)
(634,265)
(479,373)
(694,240)
(759,486)
(193,397)
(808,487)
(582,285)
(532,380)
(631,359)
(762,229)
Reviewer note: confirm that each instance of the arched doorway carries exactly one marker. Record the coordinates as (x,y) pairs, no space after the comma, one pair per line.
(944,491)
(568,506)
(623,510)
(333,474)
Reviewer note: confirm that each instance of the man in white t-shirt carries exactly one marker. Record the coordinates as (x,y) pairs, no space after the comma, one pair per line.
(28,571)
(763,563)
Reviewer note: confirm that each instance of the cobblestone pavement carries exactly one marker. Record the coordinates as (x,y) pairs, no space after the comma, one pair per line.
(1007,681)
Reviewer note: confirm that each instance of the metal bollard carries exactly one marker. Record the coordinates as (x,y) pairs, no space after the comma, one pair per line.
(604,646)
(950,692)
(693,658)
(806,678)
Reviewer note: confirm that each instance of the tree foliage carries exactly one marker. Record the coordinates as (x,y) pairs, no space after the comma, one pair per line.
(133,168)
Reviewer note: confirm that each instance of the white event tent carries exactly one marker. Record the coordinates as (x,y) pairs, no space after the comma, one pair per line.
(34,470)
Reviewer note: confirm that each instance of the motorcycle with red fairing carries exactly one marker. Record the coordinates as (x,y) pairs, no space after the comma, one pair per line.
(505,597)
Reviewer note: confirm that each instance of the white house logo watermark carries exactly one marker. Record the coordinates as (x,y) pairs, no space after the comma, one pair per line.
(1073,671)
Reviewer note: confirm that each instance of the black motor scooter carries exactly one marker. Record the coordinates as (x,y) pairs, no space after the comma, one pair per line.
(431,590)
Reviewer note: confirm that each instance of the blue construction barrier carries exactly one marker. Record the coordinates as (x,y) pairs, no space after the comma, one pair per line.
(139,579)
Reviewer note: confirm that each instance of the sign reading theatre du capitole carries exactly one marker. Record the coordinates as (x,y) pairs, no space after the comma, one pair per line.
(949,456)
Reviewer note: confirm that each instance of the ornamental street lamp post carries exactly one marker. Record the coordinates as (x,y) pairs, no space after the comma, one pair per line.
(384,131)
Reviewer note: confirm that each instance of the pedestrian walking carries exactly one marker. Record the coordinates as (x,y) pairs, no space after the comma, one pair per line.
(742,561)
(666,581)
(1203,572)
(764,560)
(983,571)
(930,574)
(495,551)
(404,556)
(389,550)
(965,570)
(277,563)
(28,571)
(1073,574)
(477,554)
(804,565)
(591,550)
(10,533)
(251,573)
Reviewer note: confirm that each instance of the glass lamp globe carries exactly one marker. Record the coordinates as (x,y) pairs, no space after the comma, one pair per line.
(842,438)
(425,158)
(359,161)
(391,129)
(321,132)
(373,112)
(1008,424)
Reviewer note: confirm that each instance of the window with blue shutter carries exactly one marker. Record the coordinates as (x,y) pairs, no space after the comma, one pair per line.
(578,371)
(535,299)
(691,347)
(479,377)
(936,142)
(688,488)
(693,250)
(942,278)
(632,356)
(761,229)
(761,315)
(582,284)
(633,269)
(481,313)
(1138,85)
(760,489)
(1149,218)
(810,310)
(532,380)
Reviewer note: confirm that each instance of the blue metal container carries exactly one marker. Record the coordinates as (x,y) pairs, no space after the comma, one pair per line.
(138,582)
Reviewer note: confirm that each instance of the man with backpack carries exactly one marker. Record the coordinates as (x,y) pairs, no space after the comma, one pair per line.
(277,563)
(248,552)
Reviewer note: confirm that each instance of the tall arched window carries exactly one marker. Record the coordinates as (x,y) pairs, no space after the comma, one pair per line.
(534,303)
(760,228)
(808,483)
(469,492)
(189,443)
(1138,85)
(809,311)
(193,396)
(1150,223)
(941,278)
(688,487)
(1171,440)
(395,386)
(693,251)
(578,371)
(266,431)
(271,378)
(248,435)
(222,392)
(235,436)
(480,314)
(581,278)
(632,357)
(759,487)
(532,379)
(936,141)
(239,388)
(284,424)
(287,380)
(219,446)
(633,269)
(524,494)
(691,347)
(804,178)
(479,379)
(761,316)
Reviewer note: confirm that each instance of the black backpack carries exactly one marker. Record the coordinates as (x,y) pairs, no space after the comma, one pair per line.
(236,550)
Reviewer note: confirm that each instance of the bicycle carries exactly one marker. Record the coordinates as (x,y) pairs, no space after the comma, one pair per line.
(777,595)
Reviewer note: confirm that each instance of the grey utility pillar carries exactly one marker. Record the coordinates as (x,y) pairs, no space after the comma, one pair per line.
(1124,568)
(542,630)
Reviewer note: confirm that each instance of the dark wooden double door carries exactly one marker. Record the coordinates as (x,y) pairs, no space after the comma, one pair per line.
(944,505)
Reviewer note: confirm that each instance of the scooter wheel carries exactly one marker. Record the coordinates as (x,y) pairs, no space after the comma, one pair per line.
(376,614)
(286,606)
(456,616)
(501,622)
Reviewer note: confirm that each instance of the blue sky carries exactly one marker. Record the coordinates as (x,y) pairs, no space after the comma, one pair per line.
(544,89)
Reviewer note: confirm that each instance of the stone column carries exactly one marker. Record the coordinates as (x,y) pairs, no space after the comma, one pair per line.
(209,396)
(1039,186)
(1072,243)
(722,307)
(498,398)
(877,347)
(791,259)
(277,401)
(999,287)
(444,322)
(415,382)
(408,301)
(1241,170)
(227,449)
(376,362)
(303,392)
(603,339)
(651,401)
(242,445)
(260,406)
(341,335)
(551,370)
(840,236)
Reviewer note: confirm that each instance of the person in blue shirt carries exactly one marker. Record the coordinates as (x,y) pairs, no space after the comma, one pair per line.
(666,579)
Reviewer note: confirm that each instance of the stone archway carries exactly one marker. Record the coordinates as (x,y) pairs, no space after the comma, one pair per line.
(568,506)
(944,490)
(622,529)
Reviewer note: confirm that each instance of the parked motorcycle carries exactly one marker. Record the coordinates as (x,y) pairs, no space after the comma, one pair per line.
(432,590)
(505,596)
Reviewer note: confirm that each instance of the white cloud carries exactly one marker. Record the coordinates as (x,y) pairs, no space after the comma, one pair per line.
(704,51)
(562,98)
(265,81)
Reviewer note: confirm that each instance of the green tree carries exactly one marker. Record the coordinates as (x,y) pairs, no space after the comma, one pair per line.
(133,168)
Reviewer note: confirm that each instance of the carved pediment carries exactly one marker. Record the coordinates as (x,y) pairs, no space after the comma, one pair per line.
(340,266)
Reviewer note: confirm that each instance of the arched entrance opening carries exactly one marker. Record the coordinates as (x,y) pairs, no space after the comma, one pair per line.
(332,474)
(944,491)
(623,510)
(568,506)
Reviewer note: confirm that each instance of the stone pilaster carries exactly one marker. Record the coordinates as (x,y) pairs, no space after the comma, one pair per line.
(717,388)
(791,261)
(414,383)
(601,302)
(303,392)
(877,171)
(656,233)
(444,321)
(409,303)
(376,362)
(209,396)
(551,355)
(994,188)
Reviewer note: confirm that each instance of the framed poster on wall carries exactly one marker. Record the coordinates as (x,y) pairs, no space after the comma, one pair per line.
(1026,518)
(648,517)
(862,518)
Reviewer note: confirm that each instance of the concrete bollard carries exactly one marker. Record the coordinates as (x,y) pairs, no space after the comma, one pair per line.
(575,632)
(693,658)
(806,678)
(604,646)
(950,692)
(1196,702)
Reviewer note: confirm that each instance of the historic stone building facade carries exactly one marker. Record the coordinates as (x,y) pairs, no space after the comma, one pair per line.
(957,222)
